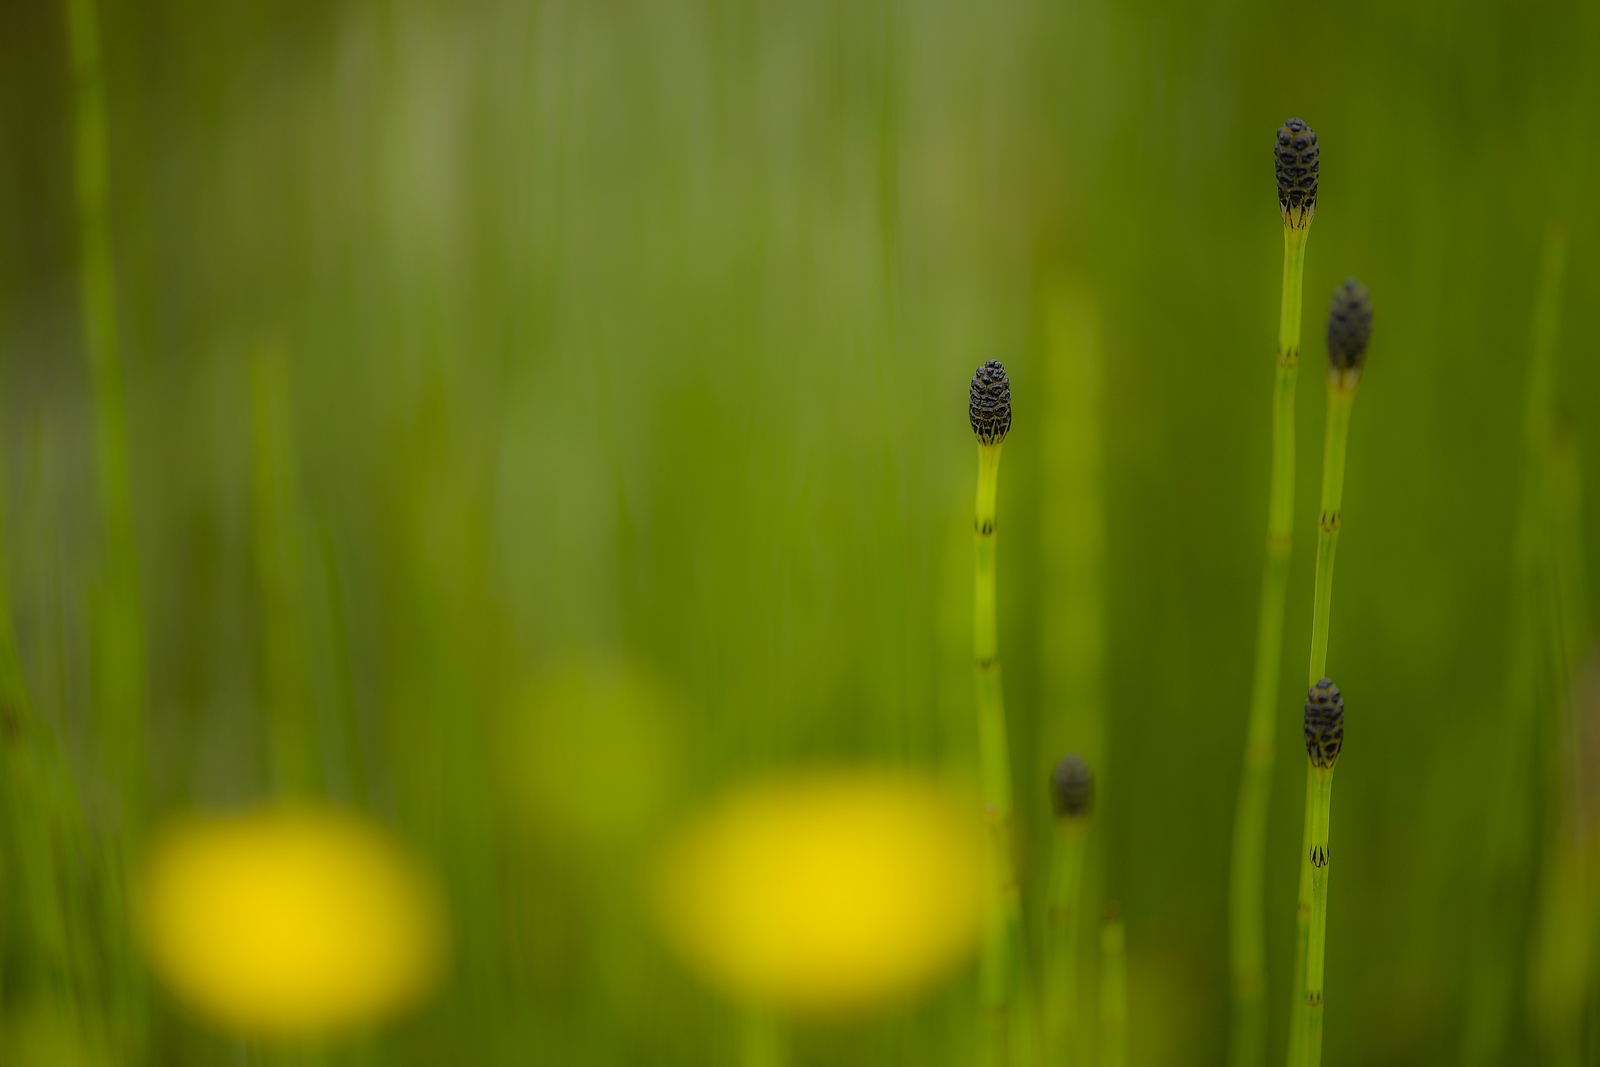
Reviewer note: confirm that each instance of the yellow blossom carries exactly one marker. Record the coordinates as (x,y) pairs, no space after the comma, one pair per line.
(289,922)
(825,894)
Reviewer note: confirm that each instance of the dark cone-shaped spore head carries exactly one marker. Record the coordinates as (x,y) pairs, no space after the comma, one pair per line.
(1072,788)
(990,406)
(1349,326)
(1324,723)
(1296,155)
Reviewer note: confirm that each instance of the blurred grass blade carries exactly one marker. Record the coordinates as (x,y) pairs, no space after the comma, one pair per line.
(1113,990)
(118,668)
(1544,617)
(281,580)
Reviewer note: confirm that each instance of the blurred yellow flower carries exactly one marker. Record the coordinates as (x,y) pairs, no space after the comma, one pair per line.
(825,894)
(289,922)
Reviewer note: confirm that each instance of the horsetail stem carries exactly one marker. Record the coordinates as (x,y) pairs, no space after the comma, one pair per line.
(1349,330)
(1296,162)
(989,411)
(118,627)
(1324,730)
(1072,798)
(1113,990)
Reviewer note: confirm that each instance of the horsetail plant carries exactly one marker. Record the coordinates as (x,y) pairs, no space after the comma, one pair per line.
(1072,798)
(1324,727)
(1349,330)
(989,411)
(1297,165)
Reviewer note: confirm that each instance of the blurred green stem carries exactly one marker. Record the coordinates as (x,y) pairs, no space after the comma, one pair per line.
(1066,899)
(40,810)
(1561,950)
(1072,641)
(1113,991)
(118,662)
(280,572)
(1001,944)
(1247,926)
(1511,824)
(763,1043)
(1341,396)
(118,627)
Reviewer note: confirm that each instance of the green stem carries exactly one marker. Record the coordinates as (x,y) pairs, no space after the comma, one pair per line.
(999,965)
(280,572)
(120,663)
(1341,395)
(1302,934)
(40,808)
(1113,992)
(763,1042)
(1492,1001)
(1247,919)
(1066,900)
(1314,870)
(117,626)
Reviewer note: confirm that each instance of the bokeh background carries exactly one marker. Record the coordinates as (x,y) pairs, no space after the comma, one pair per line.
(540,416)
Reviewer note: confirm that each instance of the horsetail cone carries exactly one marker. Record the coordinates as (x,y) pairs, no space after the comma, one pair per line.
(1324,724)
(989,408)
(1297,165)
(1072,788)
(1349,327)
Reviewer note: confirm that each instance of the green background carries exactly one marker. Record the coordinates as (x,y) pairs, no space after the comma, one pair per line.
(472,344)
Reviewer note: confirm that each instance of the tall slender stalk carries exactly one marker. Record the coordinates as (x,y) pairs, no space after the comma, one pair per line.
(1511,824)
(1349,329)
(1560,960)
(989,410)
(117,623)
(280,570)
(1072,555)
(40,813)
(1113,990)
(1324,726)
(1296,155)
(118,626)
(1072,797)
